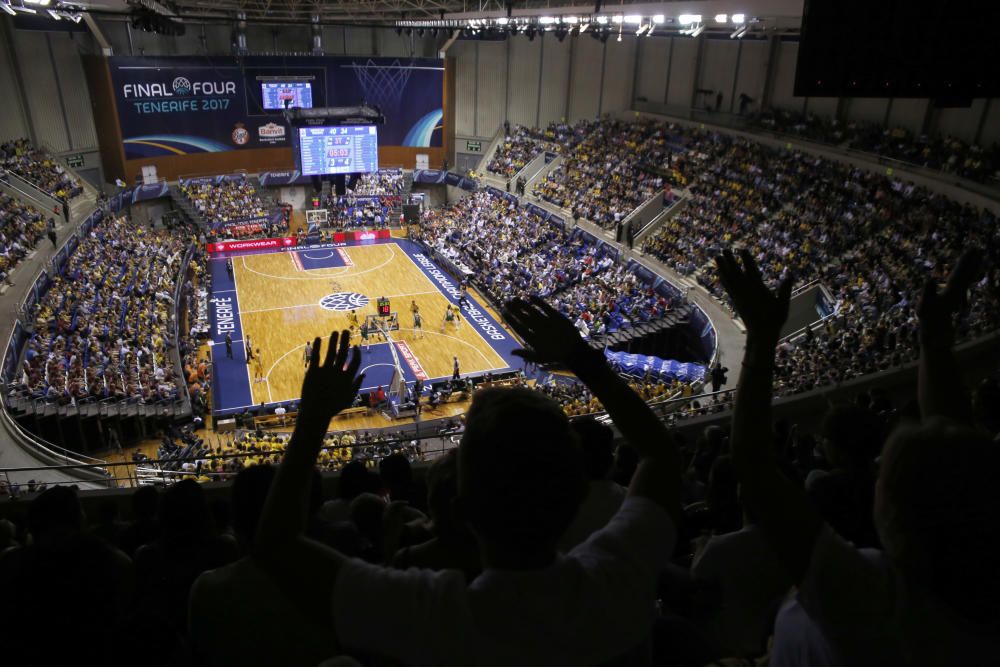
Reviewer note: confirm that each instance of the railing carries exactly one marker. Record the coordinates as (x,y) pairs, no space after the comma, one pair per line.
(28,190)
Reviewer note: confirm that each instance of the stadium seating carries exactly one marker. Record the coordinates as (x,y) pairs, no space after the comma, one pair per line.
(104,328)
(523,144)
(233,200)
(21,227)
(19,157)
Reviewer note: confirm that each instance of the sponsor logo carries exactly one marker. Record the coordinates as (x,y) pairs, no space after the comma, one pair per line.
(343,301)
(287,242)
(411,360)
(181,86)
(272,133)
(225,317)
(365,236)
(240,135)
(255,244)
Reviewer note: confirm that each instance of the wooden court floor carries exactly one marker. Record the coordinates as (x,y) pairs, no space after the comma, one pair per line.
(280,311)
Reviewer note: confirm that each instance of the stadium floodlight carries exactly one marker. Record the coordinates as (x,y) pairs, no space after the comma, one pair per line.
(54,14)
(642,29)
(739,32)
(5,5)
(721,18)
(547,20)
(617,18)
(602,19)
(633,19)
(659,18)
(41,3)
(697,31)
(572,20)
(688,19)
(738,19)
(584,27)
(503,20)
(652,27)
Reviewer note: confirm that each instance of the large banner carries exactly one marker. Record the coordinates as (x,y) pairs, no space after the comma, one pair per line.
(176,105)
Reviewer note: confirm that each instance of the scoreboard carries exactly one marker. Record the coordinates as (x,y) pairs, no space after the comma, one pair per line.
(347,149)
(383,306)
(287,95)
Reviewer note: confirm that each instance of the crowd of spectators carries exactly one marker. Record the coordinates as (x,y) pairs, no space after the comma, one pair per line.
(942,153)
(871,239)
(616,168)
(354,210)
(513,253)
(194,329)
(523,144)
(104,328)
(19,157)
(233,200)
(382,183)
(21,227)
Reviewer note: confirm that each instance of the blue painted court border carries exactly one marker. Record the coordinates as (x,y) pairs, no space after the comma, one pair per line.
(230,378)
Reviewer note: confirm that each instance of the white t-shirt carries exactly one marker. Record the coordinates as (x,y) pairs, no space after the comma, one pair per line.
(604,498)
(589,606)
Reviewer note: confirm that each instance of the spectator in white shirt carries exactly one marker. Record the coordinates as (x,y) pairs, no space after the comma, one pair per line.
(520,482)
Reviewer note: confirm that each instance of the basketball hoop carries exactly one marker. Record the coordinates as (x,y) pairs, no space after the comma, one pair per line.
(383,85)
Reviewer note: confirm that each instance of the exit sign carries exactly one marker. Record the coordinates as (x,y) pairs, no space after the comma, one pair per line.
(74,161)
(474,146)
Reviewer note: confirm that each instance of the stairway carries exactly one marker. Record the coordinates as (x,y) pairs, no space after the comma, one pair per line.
(182,204)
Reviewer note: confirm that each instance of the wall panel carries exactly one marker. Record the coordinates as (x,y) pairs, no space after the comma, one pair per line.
(654,62)
(783,78)
(41,89)
(961,123)
(682,66)
(360,42)
(585,89)
(492,89)
(908,114)
(552,105)
(13,121)
(619,71)
(751,74)
(824,107)
(718,68)
(991,128)
(75,96)
(522,93)
(464,54)
(867,109)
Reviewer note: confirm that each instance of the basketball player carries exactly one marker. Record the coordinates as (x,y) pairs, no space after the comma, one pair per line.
(352,319)
(417,323)
(463,297)
(248,346)
(364,337)
(449,316)
(258,367)
(307,354)
(414,308)
(455,374)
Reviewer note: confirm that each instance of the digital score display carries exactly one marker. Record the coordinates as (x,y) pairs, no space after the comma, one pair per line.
(383,306)
(295,95)
(350,149)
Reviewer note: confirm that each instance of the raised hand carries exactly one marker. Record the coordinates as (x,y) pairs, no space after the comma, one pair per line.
(549,337)
(762,311)
(936,308)
(331,387)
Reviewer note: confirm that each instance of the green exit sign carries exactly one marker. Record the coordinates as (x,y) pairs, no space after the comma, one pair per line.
(474,146)
(74,161)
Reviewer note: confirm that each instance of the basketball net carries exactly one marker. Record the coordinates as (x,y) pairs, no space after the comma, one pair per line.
(383,85)
(397,384)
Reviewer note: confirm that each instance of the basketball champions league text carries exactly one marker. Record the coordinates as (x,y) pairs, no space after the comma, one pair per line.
(472,313)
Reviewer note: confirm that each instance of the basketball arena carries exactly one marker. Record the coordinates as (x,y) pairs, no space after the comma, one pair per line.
(360,333)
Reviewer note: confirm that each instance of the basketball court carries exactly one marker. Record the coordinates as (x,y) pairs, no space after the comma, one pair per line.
(283,299)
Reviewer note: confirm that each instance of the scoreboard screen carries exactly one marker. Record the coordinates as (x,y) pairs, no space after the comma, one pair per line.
(383,306)
(350,149)
(293,95)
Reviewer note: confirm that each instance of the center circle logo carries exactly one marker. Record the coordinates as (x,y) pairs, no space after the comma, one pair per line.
(343,301)
(182,86)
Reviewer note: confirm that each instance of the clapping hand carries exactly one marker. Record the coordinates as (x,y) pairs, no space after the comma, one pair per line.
(329,388)
(549,337)
(763,311)
(936,308)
